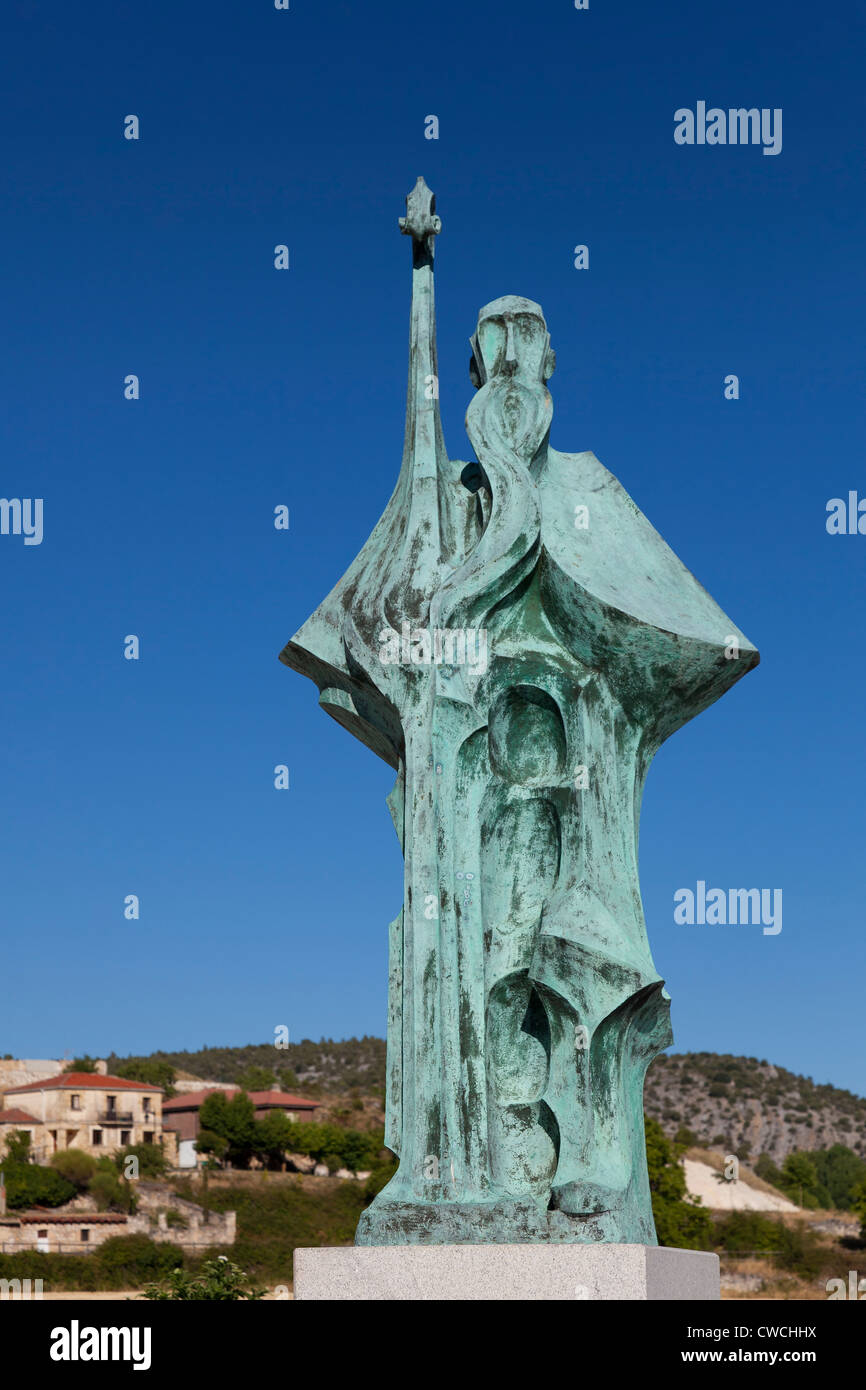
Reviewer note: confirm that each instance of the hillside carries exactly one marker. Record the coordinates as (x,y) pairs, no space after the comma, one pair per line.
(751,1107)
(748,1107)
(315,1068)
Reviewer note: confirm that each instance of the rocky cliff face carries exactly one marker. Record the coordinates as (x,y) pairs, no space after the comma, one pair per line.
(751,1107)
(21,1071)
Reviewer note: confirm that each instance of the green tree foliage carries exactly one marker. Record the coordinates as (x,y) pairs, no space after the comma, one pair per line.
(679,1220)
(127,1261)
(274,1137)
(257,1079)
(353,1149)
(233,1120)
(28,1185)
(111,1191)
(381,1174)
(768,1171)
(219,1281)
(326,1065)
(858,1206)
(358,1150)
(151,1070)
(210,1143)
(799,1181)
(122,1262)
(794,1249)
(86,1063)
(841,1172)
(75,1166)
(18,1147)
(152,1162)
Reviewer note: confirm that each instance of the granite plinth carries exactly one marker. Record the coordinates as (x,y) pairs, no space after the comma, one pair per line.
(421,1273)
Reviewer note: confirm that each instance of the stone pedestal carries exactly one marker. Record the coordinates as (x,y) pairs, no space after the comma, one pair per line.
(431,1273)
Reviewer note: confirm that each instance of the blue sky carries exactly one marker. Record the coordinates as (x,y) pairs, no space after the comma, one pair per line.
(260,387)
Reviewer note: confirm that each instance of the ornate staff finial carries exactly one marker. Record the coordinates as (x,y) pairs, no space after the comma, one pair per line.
(421,222)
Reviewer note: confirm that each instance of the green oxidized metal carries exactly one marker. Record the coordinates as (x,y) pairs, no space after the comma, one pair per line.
(517,641)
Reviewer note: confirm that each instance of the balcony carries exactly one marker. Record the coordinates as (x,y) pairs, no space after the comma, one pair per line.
(116,1117)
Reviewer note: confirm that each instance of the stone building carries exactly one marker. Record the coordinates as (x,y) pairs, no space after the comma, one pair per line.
(161,1215)
(83,1110)
(181,1114)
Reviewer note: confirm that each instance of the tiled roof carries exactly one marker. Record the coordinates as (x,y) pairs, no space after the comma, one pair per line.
(17,1117)
(260,1099)
(81,1081)
(86,1218)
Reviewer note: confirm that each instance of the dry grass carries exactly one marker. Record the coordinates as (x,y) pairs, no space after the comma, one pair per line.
(716,1160)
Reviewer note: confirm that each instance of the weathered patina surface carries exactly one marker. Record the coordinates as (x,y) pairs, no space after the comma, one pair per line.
(524,1003)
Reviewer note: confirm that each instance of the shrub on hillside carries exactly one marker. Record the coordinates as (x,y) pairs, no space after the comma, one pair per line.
(130,1260)
(151,1070)
(679,1220)
(151,1162)
(218,1281)
(112,1192)
(29,1185)
(794,1249)
(75,1166)
(380,1175)
(841,1172)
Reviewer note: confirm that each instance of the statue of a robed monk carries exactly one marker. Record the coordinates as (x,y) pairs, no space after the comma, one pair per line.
(516,641)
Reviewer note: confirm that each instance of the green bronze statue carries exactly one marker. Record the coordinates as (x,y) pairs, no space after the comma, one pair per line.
(517,641)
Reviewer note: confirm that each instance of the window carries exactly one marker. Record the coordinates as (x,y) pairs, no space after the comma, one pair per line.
(145,1105)
(125,1137)
(97,1137)
(85,1235)
(111,1102)
(41,1235)
(148,1136)
(75,1102)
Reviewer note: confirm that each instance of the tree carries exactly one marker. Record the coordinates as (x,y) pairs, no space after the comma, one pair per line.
(359,1150)
(18,1147)
(257,1079)
(274,1136)
(380,1175)
(152,1071)
(235,1121)
(794,1248)
(150,1160)
(220,1281)
(768,1171)
(799,1181)
(29,1185)
(128,1260)
(75,1166)
(858,1206)
(680,1221)
(111,1191)
(86,1063)
(840,1171)
(210,1143)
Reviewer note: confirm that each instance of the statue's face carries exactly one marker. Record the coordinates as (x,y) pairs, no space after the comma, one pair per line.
(512,340)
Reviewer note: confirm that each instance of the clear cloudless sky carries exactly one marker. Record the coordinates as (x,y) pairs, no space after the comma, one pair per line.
(259,387)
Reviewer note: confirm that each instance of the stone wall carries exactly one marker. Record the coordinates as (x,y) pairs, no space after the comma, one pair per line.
(60,1231)
(20,1071)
